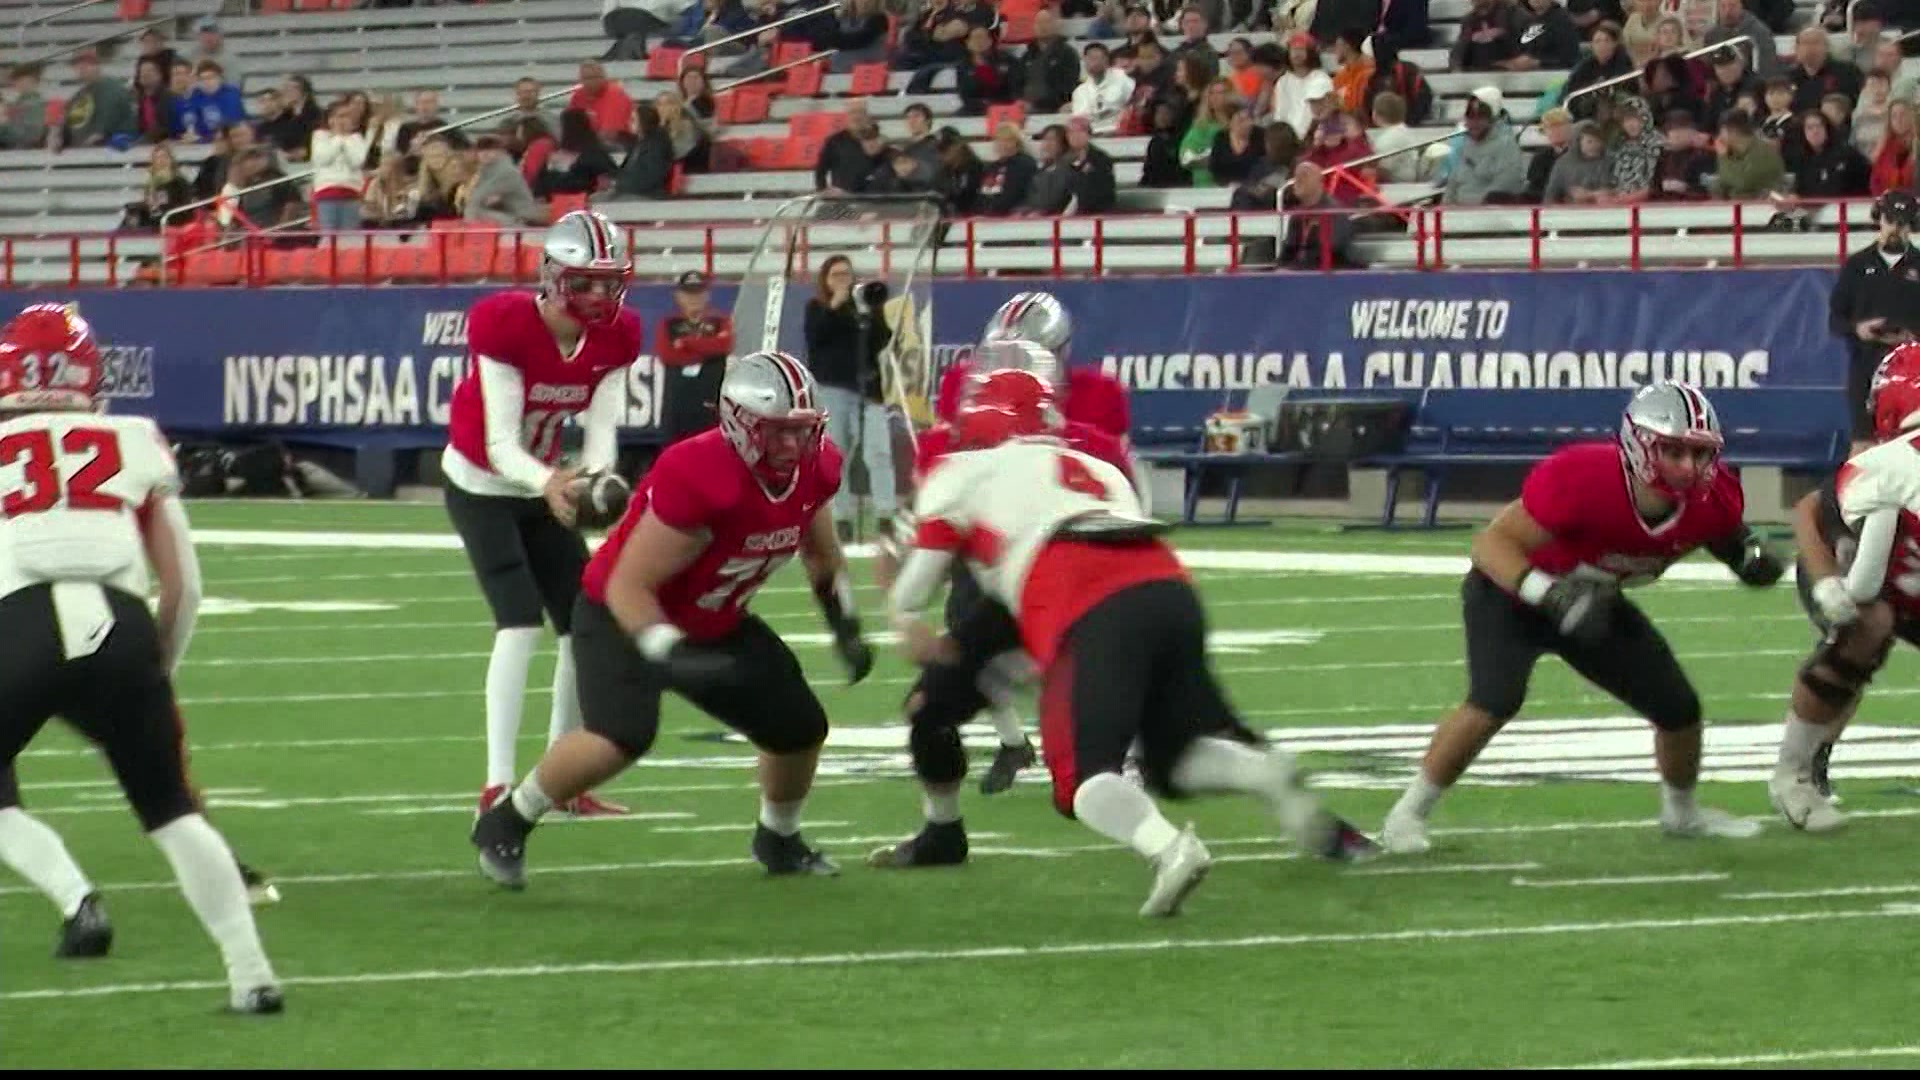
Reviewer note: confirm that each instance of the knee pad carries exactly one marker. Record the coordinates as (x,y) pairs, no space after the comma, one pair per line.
(938,757)
(805,733)
(1835,679)
(1681,714)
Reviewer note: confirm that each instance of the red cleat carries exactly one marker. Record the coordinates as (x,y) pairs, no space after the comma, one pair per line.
(491,794)
(584,806)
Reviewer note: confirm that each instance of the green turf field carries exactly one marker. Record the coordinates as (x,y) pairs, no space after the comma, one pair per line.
(333,700)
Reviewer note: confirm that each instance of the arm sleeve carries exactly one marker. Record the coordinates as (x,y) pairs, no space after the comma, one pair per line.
(921,573)
(601,422)
(1869,569)
(502,392)
(170,514)
(672,352)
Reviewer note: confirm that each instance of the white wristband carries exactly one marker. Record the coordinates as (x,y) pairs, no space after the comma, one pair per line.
(656,641)
(1535,586)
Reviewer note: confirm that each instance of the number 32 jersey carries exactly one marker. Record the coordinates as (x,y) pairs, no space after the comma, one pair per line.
(1881,478)
(700,485)
(76,486)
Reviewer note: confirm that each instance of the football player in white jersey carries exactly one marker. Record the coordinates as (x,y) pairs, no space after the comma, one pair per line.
(87,504)
(1110,617)
(1859,582)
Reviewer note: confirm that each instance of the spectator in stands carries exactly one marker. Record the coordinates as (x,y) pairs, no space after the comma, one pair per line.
(1730,80)
(1139,28)
(153,46)
(1319,240)
(185,125)
(165,190)
(338,155)
(1861,41)
(265,207)
(1888,60)
(1392,75)
(426,117)
(1686,162)
(1556,125)
(1051,66)
(606,104)
(844,343)
(1606,60)
(1193,41)
(1636,150)
(499,193)
(920,143)
(579,162)
(1893,159)
(236,139)
(100,112)
(437,187)
(989,77)
(849,155)
(1261,190)
(1302,82)
(152,103)
(709,20)
(1337,142)
(1353,70)
(1815,74)
(899,173)
(648,169)
(1103,93)
(1776,14)
(1587,15)
(1008,179)
(1152,84)
(1391,135)
(299,120)
(1822,165)
(214,102)
(1237,151)
(23,114)
(1241,72)
(1637,32)
(1584,173)
(1095,188)
(1161,166)
(940,40)
(960,174)
(1839,113)
(1734,21)
(383,130)
(533,142)
(858,36)
(526,102)
(1489,36)
(1777,96)
(1869,120)
(210,45)
(1406,24)
(1052,189)
(1749,166)
(1548,39)
(1210,120)
(697,92)
(392,198)
(1665,87)
(1670,37)
(628,22)
(1487,164)
(692,143)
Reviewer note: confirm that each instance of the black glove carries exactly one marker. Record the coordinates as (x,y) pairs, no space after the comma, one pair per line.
(835,596)
(855,653)
(1581,608)
(1759,566)
(688,666)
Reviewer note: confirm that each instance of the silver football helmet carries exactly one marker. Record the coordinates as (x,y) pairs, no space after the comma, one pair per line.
(768,394)
(585,266)
(1032,316)
(1669,412)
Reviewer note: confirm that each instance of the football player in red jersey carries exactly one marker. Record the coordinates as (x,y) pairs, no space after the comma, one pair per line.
(663,606)
(988,660)
(1859,582)
(1108,614)
(534,362)
(1546,578)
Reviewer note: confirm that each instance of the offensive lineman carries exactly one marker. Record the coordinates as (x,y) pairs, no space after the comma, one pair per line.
(87,503)
(536,360)
(1859,583)
(1108,614)
(1547,572)
(663,606)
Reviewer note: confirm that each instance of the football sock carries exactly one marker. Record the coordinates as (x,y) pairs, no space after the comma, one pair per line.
(1799,743)
(566,694)
(942,807)
(1006,724)
(36,853)
(1211,764)
(781,817)
(530,799)
(506,692)
(1676,802)
(210,880)
(1117,810)
(1420,798)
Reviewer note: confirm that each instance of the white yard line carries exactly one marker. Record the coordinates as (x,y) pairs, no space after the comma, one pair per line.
(1457,868)
(1783,1057)
(1084,950)
(1611,882)
(1832,891)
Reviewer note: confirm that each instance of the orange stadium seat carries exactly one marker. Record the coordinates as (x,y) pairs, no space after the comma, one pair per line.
(807,80)
(869,79)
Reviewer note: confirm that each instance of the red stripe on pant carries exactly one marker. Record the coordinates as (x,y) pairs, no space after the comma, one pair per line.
(1057,728)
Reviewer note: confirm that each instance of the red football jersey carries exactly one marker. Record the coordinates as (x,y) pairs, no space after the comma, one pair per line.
(1099,400)
(1581,494)
(937,441)
(700,484)
(507,327)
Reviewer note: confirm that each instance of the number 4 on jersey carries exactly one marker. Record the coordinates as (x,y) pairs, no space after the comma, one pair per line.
(1075,476)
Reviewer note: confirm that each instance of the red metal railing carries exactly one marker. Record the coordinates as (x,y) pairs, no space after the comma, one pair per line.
(458,251)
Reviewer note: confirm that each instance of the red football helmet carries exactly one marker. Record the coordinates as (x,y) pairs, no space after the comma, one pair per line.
(953,386)
(48,360)
(1894,399)
(1002,405)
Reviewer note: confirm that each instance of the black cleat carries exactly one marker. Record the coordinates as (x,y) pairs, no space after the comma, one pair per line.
(1344,843)
(501,836)
(1007,763)
(1821,781)
(933,845)
(789,855)
(260,888)
(88,935)
(259,1001)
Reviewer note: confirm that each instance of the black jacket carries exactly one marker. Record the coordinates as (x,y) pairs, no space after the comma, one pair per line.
(1503,23)
(1834,77)
(843,164)
(1550,37)
(1836,172)
(1094,186)
(1228,167)
(1868,288)
(834,347)
(1051,73)
(1006,183)
(1590,71)
(648,166)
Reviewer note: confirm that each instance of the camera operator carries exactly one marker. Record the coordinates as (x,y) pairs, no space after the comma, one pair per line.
(846,331)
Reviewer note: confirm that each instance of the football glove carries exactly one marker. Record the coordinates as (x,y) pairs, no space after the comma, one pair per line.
(1579,607)
(687,665)
(836,604)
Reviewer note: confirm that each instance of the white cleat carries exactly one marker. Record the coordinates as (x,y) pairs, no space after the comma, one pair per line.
(1404,834)
(1705,821)
(1799,801)
(1177,872)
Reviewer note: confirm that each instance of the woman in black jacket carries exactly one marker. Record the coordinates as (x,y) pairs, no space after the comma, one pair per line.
(578,164)
(649,164)
(1607,59)
(845,338)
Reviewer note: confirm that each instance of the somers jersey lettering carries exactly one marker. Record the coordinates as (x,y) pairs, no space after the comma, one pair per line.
(1885,477)
(73,487)
(700,485)
(1582,495)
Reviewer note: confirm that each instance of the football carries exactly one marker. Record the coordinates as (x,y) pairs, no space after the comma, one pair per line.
(599,498)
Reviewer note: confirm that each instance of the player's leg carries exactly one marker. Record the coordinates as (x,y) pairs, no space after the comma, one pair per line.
(985,630)
(620,716)
(558,556)
(944,697)
(121,699)
(1829,733)
(1826,691)
(1634,663)
(37,853)
(489,531)
(1504,641)
(777,711)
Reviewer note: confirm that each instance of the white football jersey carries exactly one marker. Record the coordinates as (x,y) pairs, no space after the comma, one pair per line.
(996,508)
(1887,477)
(71,484)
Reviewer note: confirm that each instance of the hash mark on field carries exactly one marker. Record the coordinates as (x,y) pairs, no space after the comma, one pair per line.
(1820,894)
(1004,952)
(1778,1058)
(1457,868)
(1604,882)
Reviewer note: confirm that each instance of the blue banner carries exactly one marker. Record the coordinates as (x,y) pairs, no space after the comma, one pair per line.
(358,364)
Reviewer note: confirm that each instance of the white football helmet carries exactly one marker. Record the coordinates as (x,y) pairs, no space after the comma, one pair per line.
(585,266)
(1666,413)
(1031,316)
(770,411)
